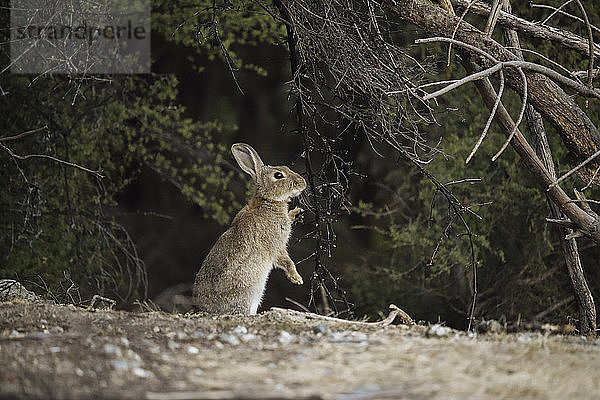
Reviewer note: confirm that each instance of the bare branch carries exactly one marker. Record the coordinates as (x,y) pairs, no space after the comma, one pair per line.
(573,170)
(493,17)
(67,163)
(566,3)
(23,134)
(519,119)
(582,89)
(565,38)
(490,119)
(590,42)
(561,12)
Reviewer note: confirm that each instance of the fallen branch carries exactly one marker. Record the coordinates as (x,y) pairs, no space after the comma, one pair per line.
(97,298)
(395,312)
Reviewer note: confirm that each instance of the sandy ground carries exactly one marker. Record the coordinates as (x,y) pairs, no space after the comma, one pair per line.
(52,351)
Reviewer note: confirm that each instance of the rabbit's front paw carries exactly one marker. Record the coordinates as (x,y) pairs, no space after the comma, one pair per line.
(295,277)
(293,213)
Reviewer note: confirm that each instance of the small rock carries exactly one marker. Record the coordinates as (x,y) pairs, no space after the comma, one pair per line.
(54,349)
(192,350)
(298,358)
(78,372)
(133,355)
(182,335)
(320,328)
(173,345)
(121,364)
(156,329)
(142,373)
(56,330)
(286,338)
(240,330)
(124,341)
(524,338)
(247,337)
(13,290)
(112,349)
(153,348)
(438,330)
(231,339)
(171,335)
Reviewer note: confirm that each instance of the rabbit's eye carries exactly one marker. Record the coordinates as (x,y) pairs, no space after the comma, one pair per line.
(278,175)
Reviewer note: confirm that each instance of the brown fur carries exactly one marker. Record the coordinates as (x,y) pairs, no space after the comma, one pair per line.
(233,276)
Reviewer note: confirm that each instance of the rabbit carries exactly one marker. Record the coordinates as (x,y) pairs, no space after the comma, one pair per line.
(233,276)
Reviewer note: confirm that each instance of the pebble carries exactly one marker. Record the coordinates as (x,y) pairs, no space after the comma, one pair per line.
(133,355)
(192,350)
(231,339)
(112,349)
(122,364)
(56,330)
(142,373)
(247,337)
(439,330)
(54,349)
(180,335)
(286,338)
(320,328)
(240,330)
(524,338)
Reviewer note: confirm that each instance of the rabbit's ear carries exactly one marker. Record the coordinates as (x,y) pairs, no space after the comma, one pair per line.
(247,158)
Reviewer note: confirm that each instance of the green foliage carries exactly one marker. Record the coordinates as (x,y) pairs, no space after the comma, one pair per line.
(54,219)
(216,29)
